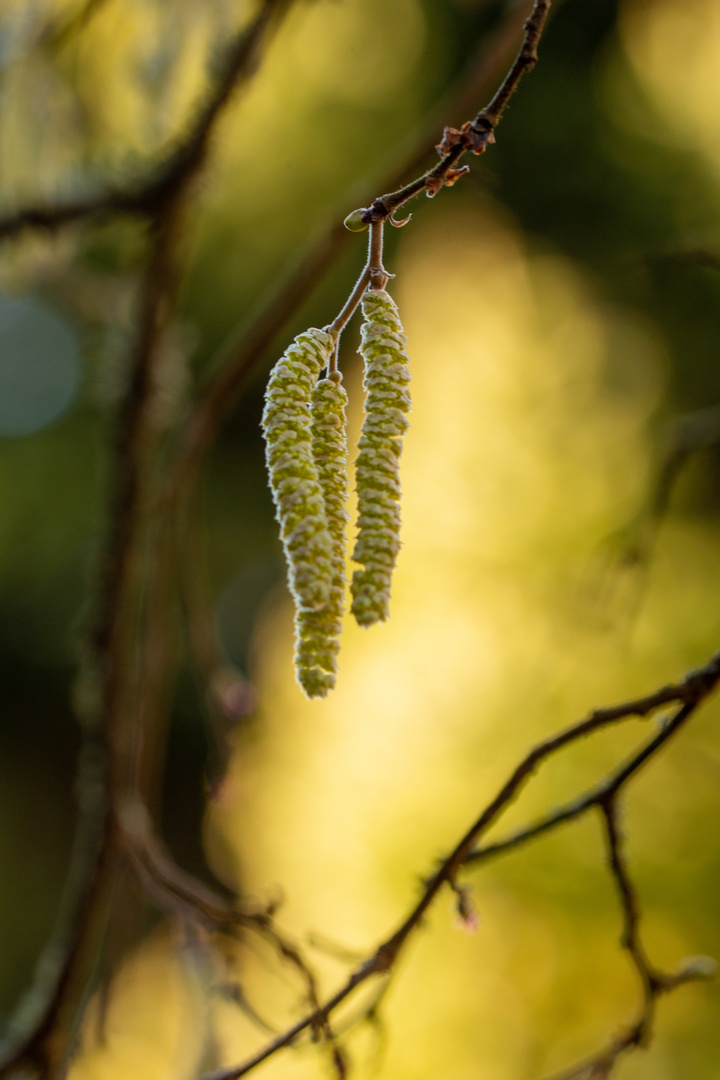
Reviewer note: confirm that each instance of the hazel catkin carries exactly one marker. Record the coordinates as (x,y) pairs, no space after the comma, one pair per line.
(377,469)
(294,481)
(318,632)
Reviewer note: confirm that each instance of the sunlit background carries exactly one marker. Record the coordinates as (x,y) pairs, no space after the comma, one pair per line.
(561,304)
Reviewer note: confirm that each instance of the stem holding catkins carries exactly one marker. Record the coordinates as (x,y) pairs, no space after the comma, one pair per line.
(304,423)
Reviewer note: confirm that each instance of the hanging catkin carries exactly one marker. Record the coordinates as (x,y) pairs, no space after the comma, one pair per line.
(318,632)
(299,502)
(378,487)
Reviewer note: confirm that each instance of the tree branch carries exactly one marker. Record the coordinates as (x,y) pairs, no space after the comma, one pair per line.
(110,739)
(245,348)
(475,134)
(693,690)
(149,197)
(654,983)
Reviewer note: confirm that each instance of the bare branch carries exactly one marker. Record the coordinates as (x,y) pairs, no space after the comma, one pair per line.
(131,618)
(693,690)
(30,1025)
(475,134)
(149,197)
(178,892)
(245,349)
(110,739)
(654,983)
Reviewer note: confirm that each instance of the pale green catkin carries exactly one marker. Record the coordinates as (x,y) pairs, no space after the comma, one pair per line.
(386,380)
(298,496)
(318,632)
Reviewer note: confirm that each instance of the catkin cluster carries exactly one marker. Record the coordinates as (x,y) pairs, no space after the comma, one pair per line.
(304,427)
(377,469)
(304,424)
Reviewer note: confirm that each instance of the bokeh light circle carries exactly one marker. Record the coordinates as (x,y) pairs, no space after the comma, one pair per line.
(39,366)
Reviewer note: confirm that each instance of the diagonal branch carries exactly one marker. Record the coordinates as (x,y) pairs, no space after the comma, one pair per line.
(149,197)
(691,692)
(239,357)
(475,134)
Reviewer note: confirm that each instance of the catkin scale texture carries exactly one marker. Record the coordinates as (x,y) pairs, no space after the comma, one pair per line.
(388,401)
(318,632)
(294,481)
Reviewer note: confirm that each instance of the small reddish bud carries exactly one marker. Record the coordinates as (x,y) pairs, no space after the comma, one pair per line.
(453,175)
(468,915)
(451,136)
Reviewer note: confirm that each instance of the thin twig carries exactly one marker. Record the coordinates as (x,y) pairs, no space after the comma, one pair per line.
(475,134)
(693,690)
(373,273)
(35,1031)
(595,796)
(239,357)
(653,982)
(378,274)
(342,319)
(149,197)
(179,892)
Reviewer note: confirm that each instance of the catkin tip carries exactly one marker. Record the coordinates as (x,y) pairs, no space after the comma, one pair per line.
(315,682)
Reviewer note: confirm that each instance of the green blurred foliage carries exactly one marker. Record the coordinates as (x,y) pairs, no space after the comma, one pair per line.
(591,174)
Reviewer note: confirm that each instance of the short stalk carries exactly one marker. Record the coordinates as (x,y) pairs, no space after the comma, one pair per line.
(378,274)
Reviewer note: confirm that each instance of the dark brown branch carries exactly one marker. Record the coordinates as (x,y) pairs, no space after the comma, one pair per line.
(64,212)
(149,197)
(595,796)
(247,346)
(35,1032)
(630,938)
(693,690)
(653,982)
(30,1026)
(474,135)
(180,893)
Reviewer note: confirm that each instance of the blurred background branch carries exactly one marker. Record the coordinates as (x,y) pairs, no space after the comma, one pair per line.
(693,691)
(543,360)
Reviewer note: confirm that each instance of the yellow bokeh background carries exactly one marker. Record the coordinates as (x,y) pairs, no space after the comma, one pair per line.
(517,465)
(510,617)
